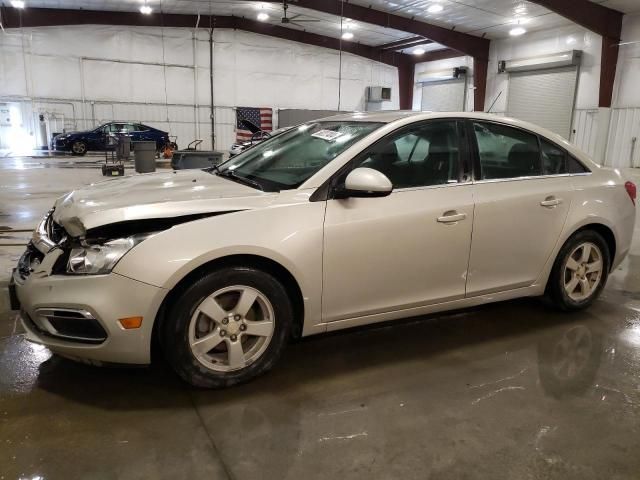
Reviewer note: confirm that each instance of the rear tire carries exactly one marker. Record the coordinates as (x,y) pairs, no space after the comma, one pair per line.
(227,328)
(580,271)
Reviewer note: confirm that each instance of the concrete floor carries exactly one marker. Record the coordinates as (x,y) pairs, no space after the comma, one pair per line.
(511,390)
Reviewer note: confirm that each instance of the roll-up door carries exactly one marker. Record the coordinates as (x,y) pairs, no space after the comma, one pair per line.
(544,97)
(444,96)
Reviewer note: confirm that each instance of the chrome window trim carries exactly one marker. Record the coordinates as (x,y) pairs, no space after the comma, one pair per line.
(429,187)
(533,177)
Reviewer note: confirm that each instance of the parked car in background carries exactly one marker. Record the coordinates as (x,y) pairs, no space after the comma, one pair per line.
(79,143)
(336,223)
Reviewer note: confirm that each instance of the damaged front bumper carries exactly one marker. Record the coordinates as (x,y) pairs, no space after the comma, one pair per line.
(77,316)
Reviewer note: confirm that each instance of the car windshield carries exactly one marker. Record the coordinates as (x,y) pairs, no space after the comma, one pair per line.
(290,158)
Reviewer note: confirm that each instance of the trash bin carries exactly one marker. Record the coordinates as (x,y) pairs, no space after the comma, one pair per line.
(144,156)
(123,148)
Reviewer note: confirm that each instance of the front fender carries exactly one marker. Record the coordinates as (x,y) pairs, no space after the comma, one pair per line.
(290,235)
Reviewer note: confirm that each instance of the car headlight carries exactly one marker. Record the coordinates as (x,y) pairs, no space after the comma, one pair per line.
(100,259)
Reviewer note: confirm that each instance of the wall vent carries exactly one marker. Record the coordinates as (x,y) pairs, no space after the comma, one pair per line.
(378,94)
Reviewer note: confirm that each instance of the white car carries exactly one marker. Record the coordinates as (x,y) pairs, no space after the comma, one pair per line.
(339,222)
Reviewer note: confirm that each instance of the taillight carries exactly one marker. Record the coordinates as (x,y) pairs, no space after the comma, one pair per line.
(630,187)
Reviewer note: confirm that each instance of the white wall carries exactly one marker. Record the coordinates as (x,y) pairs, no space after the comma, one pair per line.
(89,74)
(625,114)
(541,43)
(606,134)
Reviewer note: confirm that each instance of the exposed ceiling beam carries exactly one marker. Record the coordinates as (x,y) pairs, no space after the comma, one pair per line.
(406,43)
(434,55)
(601,20)
(46,17)
(463,42)
(476,47)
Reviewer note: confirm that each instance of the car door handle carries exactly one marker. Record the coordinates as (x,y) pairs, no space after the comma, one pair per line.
(551,202)
(452,217)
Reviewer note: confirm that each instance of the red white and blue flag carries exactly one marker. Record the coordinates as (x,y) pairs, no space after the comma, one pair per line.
(260,117)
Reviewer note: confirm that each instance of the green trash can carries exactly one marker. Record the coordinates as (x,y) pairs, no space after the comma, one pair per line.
(144,156)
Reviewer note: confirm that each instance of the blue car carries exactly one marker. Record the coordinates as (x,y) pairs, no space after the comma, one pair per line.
(79,143)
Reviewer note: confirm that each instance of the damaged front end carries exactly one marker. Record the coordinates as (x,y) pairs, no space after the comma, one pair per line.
(53,251)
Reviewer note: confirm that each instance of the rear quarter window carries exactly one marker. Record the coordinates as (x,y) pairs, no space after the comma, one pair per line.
(574,166)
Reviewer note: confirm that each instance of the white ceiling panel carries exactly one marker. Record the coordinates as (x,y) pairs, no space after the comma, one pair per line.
(490,18)
(328,25)
(624,6)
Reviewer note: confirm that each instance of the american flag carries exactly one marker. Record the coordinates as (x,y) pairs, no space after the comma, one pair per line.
(260,117)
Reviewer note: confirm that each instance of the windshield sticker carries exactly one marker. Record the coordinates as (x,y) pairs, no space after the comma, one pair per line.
(328,135)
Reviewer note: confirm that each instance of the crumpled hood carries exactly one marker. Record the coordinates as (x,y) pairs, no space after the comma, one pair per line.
(154,195)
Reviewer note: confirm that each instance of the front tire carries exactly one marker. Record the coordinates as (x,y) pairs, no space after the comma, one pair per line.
(580,271)
(228,327)
(79,148)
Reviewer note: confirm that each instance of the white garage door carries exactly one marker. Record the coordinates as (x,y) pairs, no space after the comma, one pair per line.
(446,96)
(544,97)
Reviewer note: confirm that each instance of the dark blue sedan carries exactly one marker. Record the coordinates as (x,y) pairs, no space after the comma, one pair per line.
(79,143)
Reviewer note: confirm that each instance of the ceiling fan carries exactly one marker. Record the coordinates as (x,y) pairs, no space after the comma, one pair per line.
(295,20)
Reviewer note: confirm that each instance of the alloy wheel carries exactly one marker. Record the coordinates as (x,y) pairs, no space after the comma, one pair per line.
(583,271)
(231,328)
(78,147)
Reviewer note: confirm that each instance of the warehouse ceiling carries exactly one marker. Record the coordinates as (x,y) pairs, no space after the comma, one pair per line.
(489,18)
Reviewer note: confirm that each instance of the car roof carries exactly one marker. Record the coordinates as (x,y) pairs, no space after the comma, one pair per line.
(389,116)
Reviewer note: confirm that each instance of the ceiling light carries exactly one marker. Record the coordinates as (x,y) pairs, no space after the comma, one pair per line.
(263,17)
(17,3)
(418,51)
(516,32)
(435,8)
(520,10)
(146,9)
(347,36)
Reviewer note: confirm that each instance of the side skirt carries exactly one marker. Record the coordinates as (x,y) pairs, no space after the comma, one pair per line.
(530,291)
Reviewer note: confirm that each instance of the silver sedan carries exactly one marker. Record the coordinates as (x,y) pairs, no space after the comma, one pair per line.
(336,223)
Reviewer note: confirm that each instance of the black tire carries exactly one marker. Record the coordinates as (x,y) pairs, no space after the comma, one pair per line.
(79,148)
(175,328)
(555,286)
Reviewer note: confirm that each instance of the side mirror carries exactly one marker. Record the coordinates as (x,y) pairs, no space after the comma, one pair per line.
(365,182)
